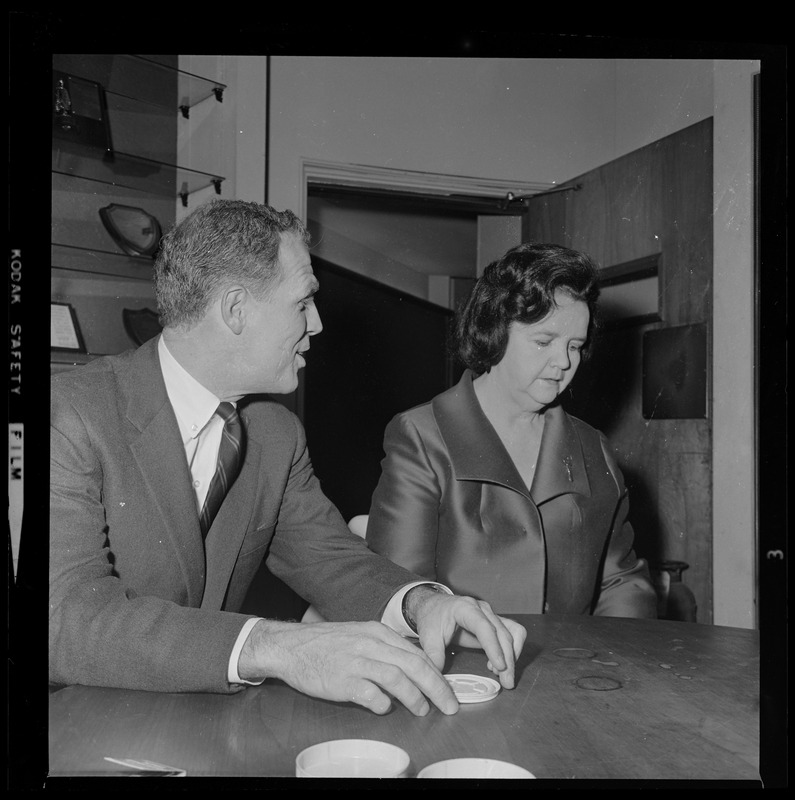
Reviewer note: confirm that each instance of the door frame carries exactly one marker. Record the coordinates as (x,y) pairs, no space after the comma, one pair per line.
(431,184)
(486,194)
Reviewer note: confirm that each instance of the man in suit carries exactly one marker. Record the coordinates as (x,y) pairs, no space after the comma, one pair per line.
(147,571)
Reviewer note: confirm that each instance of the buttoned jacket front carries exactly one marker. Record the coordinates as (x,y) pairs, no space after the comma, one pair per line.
(451,506)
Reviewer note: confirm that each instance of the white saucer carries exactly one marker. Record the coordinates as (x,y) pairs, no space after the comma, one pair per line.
(473,688)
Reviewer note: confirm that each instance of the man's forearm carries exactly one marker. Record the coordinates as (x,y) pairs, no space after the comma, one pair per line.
(260,657)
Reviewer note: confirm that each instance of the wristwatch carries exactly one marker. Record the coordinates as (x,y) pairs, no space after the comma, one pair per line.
(436,587)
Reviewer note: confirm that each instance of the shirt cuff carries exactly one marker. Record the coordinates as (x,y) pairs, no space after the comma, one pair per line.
(393,613)
(231,672)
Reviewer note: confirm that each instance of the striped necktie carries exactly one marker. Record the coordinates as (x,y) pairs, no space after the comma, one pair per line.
(229,458)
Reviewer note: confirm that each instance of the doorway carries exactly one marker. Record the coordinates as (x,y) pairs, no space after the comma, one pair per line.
(392,267)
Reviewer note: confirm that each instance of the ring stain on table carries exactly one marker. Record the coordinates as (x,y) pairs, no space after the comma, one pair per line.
(574,652)
(595,683)
(598,683)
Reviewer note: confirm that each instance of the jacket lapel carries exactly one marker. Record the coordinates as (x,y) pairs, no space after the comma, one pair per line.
(158,451)
(477,453)
(561,466)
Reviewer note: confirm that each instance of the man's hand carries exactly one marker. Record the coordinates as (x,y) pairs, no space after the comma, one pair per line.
(360,662)
(437,617)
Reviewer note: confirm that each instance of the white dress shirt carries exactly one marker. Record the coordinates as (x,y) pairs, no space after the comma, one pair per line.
(199,426)
(201,429)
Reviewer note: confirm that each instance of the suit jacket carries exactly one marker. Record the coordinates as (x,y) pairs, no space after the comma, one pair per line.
(137,599)
(451,506)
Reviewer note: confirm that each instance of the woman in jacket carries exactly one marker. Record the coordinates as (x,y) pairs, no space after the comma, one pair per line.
(491,487)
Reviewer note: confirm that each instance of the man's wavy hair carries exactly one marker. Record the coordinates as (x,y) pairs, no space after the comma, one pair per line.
(520,287)
(221,242)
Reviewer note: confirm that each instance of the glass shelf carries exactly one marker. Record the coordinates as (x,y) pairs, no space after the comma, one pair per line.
(132,172)
(101,263)
(66,359)
(191,89)
(146,97)
(141,77)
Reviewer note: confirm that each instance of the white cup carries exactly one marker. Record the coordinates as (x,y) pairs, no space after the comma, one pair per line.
(474,768)
(352,758)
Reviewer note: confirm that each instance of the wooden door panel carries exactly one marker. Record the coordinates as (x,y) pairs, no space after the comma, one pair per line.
(655,200)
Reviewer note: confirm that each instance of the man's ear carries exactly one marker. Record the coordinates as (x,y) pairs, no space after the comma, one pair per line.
(233,308)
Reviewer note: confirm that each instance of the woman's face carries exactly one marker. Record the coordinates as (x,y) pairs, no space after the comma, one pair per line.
(542,358)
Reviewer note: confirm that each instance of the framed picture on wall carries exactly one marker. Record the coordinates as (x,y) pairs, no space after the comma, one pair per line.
(65,329)
(630,293)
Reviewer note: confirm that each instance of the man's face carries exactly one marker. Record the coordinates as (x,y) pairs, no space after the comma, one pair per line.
(278,327)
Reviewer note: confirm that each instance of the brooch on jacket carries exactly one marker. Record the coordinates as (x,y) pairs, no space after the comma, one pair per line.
(568,463)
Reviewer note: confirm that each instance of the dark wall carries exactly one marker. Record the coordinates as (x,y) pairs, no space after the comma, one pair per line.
(381,352)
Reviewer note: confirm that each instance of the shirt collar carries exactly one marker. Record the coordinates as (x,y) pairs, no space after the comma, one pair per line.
(193,405)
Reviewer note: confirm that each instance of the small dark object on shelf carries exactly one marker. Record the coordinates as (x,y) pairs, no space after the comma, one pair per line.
(80,114)
(141,324)
(137,232)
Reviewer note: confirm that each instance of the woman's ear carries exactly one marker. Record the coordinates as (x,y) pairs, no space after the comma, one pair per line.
(233,308)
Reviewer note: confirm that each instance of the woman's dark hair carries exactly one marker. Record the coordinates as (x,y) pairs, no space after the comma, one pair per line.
(520,287)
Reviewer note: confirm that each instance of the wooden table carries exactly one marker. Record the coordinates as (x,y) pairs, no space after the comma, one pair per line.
(596,698)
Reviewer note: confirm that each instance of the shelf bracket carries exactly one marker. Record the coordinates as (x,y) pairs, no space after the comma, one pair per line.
(185,109)
(217,184)
(219,94)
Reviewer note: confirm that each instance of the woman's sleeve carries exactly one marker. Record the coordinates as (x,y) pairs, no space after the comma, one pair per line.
(626,588)
(404,512)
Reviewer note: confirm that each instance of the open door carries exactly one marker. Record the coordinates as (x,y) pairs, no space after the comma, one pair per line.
(646,218)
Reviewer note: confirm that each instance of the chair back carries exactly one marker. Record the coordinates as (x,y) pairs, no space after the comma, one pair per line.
(358,525)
